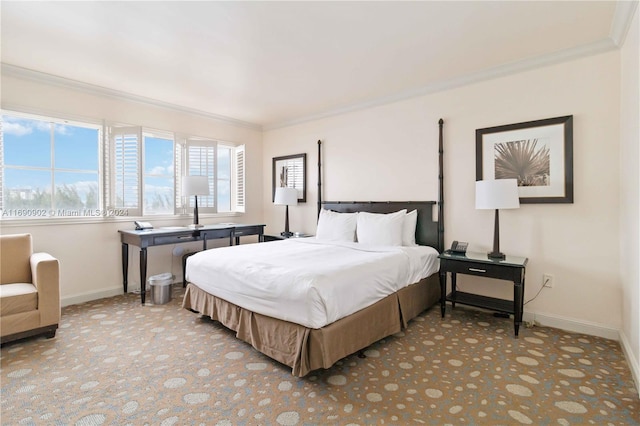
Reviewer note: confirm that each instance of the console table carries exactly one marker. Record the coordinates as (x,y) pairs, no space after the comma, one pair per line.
(176,235)
(512,268)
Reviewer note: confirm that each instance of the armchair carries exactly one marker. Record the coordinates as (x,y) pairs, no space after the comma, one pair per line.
(29,290)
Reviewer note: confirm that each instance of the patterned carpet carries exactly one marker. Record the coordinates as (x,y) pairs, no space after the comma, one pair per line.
(116,362)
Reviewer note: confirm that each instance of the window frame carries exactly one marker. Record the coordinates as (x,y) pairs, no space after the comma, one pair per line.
(108,207)
(53,211)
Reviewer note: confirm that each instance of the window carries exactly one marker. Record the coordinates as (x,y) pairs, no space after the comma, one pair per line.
(224,179)
(58,168)
(158,175)
(48,167)
(224,165)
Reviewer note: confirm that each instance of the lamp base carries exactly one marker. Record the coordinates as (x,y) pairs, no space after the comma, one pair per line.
(287,234)
(496,255)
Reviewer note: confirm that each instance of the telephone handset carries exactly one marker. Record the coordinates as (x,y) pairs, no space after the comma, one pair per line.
(142,225)
(459,247)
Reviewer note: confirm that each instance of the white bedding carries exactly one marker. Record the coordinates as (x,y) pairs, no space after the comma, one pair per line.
(306,281)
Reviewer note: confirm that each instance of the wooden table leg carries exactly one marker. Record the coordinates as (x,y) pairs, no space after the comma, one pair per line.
(143,274)
(125,266)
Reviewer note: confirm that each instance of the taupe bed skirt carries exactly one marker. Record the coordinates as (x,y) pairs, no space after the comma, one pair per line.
(305,349)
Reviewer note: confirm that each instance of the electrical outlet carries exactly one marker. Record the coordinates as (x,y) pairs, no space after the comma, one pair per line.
(547,280)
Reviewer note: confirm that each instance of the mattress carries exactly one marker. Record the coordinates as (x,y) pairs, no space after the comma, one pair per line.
(306,281)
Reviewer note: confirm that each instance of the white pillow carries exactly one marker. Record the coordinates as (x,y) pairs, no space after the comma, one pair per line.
(334,226)
(380,229)
(409,228)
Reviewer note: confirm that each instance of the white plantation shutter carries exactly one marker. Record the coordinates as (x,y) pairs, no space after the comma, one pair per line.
(240,182)
(178,168)
(201,160)
(125,191)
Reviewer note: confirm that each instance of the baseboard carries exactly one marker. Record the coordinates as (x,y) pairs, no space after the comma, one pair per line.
(570,324)
(101,294)
(634,364)
(88,297)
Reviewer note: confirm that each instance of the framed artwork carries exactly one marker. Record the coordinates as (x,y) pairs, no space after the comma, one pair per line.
(290,171)
(539,154)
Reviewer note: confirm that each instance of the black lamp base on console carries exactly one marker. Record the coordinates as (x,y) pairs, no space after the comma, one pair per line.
(496,254)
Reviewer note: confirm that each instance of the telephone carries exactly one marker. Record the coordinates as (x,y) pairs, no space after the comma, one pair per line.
(459,247)
(142,225)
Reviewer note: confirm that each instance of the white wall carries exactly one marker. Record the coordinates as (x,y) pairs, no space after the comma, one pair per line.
(389,153)
(630,195)
(90,254)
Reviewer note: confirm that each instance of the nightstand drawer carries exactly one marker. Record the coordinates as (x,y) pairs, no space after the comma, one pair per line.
(498,271)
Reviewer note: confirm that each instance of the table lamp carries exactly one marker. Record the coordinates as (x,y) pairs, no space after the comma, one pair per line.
(195,185)
(288,197)
(497,194)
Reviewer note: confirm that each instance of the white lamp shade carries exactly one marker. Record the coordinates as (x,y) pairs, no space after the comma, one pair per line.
(195,185)
(286,196)
(497,194)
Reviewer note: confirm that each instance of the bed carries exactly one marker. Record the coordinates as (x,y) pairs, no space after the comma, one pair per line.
(309,331)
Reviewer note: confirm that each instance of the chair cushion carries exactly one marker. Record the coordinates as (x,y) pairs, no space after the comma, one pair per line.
(18,298)
(15,252)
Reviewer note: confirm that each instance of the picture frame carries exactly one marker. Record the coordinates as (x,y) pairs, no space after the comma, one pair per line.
(539,154)
(291,171)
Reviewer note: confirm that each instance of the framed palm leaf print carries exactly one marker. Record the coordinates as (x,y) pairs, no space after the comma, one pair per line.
(539,154)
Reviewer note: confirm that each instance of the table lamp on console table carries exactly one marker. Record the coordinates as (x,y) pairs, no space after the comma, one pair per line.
(195,185)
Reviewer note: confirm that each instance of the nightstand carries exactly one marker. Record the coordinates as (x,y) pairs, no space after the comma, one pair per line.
(280,237)
(512,268)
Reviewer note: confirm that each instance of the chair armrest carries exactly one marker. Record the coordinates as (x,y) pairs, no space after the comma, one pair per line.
(45,273)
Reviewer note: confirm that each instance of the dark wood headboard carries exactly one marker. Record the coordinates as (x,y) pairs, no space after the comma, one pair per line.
(428,231)
(426,227)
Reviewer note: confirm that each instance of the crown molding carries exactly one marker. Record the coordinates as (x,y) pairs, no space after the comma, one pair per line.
(621,22)
(40,77)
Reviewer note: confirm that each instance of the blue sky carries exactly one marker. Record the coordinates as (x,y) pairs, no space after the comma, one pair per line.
(27,143)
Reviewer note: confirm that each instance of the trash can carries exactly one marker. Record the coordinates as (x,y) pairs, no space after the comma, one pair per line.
(161,288)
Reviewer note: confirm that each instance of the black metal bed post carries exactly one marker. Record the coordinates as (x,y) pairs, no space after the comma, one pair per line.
(441,190)
(319,178)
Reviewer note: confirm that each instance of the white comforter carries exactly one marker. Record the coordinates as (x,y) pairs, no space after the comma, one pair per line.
(306,281)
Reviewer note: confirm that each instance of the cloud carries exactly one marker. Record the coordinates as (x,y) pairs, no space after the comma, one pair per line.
(17,129)
(22,127)
(161,171)
(62,129)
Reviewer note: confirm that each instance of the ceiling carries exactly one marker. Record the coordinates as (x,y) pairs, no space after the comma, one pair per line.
(269,64)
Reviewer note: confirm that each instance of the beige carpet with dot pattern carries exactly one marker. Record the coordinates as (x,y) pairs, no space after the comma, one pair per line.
(114,361)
